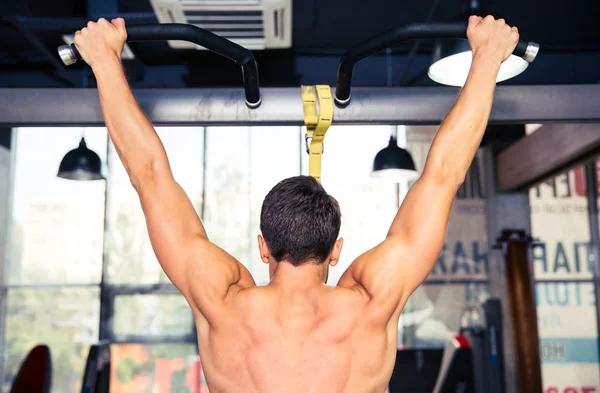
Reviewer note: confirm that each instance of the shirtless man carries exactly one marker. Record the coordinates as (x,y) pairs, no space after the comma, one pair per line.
(297,334)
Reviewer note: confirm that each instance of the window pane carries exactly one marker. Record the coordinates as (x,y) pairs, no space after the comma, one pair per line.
(368,206)
(283,145)
(57,224)
(227,210)
(131,258)
(242,165)
(65,319)
(166,368)
(432,314)
(152,315)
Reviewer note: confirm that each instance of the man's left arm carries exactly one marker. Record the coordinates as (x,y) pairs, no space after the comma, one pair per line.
(390,272)
(202,271)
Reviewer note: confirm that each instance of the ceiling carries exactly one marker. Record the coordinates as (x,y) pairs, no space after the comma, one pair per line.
(568,33)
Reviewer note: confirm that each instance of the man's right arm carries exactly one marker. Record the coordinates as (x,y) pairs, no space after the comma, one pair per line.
(390,272)
(202,271)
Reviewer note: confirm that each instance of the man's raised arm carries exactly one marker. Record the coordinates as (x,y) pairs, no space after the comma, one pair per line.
(390,272)
(199,269)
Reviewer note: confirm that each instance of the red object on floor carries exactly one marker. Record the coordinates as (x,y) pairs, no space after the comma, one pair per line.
(462,342)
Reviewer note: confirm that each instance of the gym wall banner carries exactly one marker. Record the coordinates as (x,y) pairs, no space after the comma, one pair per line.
(566,309)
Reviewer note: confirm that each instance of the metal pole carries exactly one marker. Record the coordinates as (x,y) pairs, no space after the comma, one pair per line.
(8,248)
(283,106)
(591,177)
(106,301)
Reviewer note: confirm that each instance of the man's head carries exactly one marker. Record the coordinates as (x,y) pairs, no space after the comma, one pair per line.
(300,224)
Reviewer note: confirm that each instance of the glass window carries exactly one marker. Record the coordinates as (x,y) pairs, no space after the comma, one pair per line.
(65,319)
(460,276)
(165,368)
(130,255)
(368,205)
(563,268)
(56,224)
(161,315)
(242,165)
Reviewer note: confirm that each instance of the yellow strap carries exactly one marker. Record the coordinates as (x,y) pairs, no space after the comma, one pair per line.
(316,125)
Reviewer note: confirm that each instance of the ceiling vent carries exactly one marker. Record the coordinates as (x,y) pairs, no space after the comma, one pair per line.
(253,24)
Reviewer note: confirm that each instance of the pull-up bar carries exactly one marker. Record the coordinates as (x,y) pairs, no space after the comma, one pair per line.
(526,50)
(182,32)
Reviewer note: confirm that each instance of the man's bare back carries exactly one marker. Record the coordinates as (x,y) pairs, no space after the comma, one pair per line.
(320,339)
(297,334)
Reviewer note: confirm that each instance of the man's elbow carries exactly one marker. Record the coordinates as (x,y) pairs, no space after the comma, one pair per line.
(143,175)
(445,173)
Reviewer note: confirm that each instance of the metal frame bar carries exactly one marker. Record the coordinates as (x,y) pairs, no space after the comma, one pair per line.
(591,182)
(456,282)
(51,286)
(4,257)
(106,313)
(283,106)
(143,339)
(114,290)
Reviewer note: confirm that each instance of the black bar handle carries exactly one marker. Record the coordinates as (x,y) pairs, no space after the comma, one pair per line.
(524,49)
(183,32)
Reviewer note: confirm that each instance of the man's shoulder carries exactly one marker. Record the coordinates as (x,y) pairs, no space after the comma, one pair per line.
(253,296)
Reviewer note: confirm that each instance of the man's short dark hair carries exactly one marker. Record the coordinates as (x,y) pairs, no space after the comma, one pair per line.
(299,221)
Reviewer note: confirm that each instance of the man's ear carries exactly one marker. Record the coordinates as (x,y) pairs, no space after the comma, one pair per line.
(334,256)
(265,253)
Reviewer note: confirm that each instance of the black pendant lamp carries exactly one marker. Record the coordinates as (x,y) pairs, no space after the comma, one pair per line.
(81,164)
(452,57)
(394,163)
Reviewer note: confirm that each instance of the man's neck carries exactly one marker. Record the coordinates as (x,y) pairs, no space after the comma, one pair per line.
(305,277)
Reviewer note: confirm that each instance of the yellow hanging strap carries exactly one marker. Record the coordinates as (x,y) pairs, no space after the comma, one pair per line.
(316,124)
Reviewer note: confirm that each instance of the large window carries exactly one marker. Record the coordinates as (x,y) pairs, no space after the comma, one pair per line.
(53,255)
(65,255)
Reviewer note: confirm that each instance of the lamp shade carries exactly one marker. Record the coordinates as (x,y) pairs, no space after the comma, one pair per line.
(81,164)
(452,62)
(394,163)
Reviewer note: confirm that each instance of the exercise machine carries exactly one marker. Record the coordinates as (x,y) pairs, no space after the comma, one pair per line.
(472,362)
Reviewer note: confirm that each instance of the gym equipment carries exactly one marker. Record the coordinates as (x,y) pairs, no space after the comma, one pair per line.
(317,123)
(456,371)
(96,378)
(183,32)
(415,370)
(472,362)
(482,327)
(526,50)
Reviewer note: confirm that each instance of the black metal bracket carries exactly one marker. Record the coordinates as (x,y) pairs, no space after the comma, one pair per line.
(516,236)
